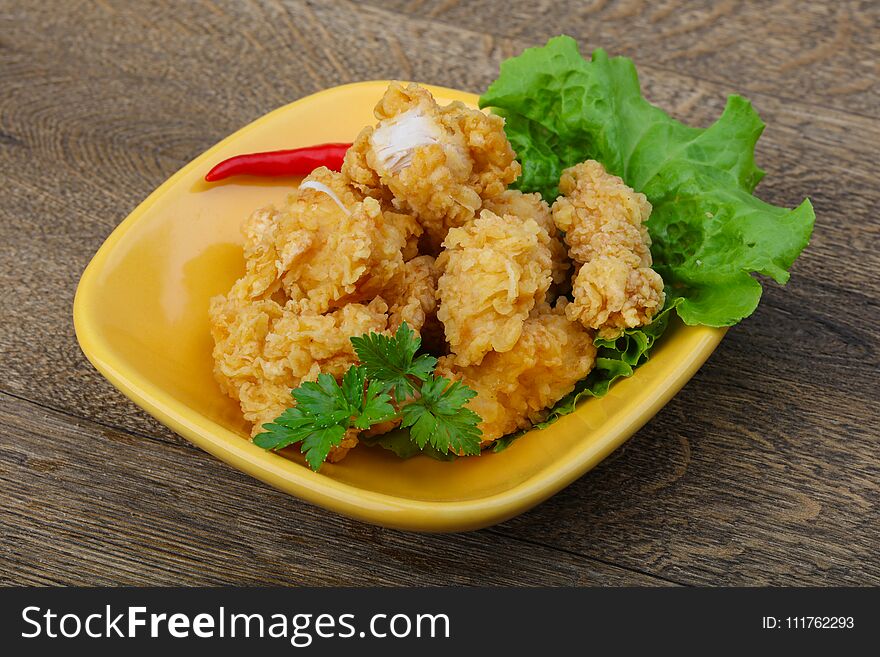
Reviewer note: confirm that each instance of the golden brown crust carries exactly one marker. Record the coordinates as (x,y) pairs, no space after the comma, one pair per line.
(262,349)
(494,271)
(436,162)
(515,388)
(532,206)
(340,451)
(603,220)
(413,297)
(610,295)
(323,253)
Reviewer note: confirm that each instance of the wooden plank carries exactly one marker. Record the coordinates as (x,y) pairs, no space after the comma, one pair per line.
(95,506)
(818,53)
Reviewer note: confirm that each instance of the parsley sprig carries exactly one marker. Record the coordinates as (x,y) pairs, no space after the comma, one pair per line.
(393,360)
(391,382)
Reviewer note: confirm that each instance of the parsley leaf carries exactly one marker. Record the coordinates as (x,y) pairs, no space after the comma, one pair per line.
(431,406)
(376,407)
(393,360)
(322,398)
(353,386)
(368,401)
(324,411)
(440,419)
(288,428)
(317,435)
(317,445)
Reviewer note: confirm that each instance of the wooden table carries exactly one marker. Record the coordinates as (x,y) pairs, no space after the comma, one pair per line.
(765,469)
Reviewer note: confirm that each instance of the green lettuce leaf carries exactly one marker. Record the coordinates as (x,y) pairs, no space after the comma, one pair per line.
(710,234)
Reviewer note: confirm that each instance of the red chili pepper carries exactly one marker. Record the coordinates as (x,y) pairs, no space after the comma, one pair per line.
(293,162)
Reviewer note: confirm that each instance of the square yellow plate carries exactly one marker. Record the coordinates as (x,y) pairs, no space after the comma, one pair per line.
(141,317)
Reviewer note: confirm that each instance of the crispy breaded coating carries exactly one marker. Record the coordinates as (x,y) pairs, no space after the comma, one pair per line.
(494,270)
(413,296)
(532,206)
(414,301)
(515,388)
(263,349)
(436,162)
(327,249)
(603,220)
(610,295)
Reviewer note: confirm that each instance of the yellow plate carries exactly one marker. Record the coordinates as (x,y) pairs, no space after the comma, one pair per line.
(141,319)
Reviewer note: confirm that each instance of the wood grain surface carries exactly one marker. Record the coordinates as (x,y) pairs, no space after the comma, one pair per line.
(765,469)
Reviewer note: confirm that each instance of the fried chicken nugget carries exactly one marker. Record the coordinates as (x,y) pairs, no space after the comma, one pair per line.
(532,206)
(515,388)
(263,349)
(327,245)
(436,162)
(603,220)
(494,271)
